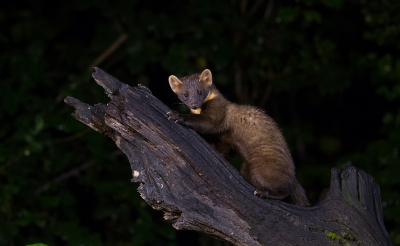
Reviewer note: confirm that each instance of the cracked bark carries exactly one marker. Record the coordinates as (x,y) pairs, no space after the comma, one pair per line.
(196,188)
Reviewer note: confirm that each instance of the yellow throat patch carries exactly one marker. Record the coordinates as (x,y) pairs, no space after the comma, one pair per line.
(210,96)
(195,111)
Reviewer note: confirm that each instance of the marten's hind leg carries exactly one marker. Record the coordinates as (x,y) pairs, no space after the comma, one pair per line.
(263,182)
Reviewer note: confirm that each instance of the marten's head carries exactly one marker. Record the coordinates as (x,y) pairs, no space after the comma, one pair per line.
(193,90)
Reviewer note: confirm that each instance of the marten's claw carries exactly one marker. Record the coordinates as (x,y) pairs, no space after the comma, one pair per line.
(258,193)
(179,120)
(173,115)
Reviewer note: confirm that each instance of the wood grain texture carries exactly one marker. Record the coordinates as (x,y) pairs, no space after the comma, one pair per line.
(196,188)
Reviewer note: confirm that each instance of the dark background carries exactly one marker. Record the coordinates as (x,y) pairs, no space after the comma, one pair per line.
(327,71)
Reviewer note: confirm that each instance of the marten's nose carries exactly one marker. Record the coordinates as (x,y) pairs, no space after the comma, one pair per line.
(194,105)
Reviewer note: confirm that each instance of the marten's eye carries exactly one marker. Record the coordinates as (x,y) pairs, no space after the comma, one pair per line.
(199,92)
(185,94)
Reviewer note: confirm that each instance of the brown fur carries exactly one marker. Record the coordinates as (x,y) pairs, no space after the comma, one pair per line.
(267,165)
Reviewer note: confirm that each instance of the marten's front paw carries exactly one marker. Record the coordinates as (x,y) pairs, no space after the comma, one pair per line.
(173,115)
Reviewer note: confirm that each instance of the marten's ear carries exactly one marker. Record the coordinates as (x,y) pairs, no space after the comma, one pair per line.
(175,83)
(206,78)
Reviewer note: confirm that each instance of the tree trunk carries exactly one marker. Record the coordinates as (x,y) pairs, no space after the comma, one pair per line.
(196,188)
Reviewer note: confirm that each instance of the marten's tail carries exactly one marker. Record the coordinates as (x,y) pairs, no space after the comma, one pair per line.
(298,195)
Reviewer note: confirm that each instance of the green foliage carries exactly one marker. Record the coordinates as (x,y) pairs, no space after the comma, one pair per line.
(327,71)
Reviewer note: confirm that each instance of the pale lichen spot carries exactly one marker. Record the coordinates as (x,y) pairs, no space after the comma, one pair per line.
(135,173)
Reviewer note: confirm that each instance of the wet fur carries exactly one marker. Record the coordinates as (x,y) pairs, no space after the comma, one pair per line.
(267,165)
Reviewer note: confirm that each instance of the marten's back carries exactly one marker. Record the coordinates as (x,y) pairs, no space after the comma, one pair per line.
(260,142)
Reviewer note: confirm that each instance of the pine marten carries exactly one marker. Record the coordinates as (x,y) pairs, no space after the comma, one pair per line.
(267,165)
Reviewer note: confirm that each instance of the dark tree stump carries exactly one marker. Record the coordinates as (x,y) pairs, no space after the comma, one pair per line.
(196,188)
